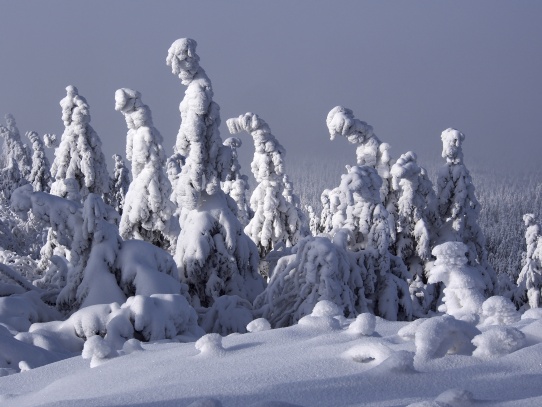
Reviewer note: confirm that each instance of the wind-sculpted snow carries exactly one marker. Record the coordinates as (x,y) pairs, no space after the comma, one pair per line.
(147,211)
(79,156)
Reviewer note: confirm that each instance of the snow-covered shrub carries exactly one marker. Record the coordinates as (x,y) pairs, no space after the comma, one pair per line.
(437,336)
(79,156)
(236,184)
(214,256)
(464,286)
(319,269)
(498,310)
(498,341)
(459,208)
(532,313)
(19,311)
(148,211)
(529,283)
(364,324)
(40,175)
(276,218)
(228,314)
(210,345)
(258,325)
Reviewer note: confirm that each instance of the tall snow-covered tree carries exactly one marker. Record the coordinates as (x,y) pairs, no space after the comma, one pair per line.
(529,284)
(148,212)
(236,184)
(214,256)
(275,219)
(416,224)
(361,211)
(15,158)
(40,175)
(119,185)
(458,207)
(79,156)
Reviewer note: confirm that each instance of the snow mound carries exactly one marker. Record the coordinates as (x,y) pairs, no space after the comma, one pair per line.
(210,345)
(272,403)
(364,324)
(449,398)
(206,403)
(532,313)
(408,332)
(19,311)
(258,325)
(377,354)
(97,350)
(228,314)
(438,336)
(498,341)
(325,308)
(499,310)
(130,346)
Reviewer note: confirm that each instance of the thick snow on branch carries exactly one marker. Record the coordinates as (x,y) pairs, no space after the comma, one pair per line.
(79,156)
(148,211)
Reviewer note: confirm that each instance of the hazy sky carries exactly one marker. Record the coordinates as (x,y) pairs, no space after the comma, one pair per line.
(410,69)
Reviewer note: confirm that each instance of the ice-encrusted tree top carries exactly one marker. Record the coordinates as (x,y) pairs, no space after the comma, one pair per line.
(198,139)
(148,211)
(79,155)
(458,207)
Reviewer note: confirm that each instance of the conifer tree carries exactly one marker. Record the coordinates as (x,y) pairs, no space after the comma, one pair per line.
(40,175)
(236,184)
(529,284)
(78,158)
(214,256)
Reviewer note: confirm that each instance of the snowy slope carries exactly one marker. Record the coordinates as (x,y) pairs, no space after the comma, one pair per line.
(319,362)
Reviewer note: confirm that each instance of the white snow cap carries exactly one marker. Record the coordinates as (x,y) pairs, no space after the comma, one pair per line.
(451,145)
(341,122)
(182,59)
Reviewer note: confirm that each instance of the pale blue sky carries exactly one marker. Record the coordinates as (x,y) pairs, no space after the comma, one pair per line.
(410,69)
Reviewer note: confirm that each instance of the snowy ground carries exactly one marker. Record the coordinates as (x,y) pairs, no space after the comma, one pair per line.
(319,362)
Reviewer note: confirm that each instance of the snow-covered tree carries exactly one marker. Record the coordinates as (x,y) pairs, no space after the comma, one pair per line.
(214,256)
(319,269)
(370,150)
(361,211)
(464,286)
(529,284)
(275,220)
(147,213)
(236,184)
(40,175)
(15,158)
(459,208)
(79,156)
(119,184)
(416,224)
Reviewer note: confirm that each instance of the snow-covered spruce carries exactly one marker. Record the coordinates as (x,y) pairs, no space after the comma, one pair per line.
(236,184)
(15,158)
(276,219)
(40,175)
(319,269)
(79,156)
(416,223)
(148,211)
(119,184)
(214,256)
(529,284)
(358,208)
(464,287)
(459,208)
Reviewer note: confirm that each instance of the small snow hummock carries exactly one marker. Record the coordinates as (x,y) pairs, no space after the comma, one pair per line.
(499,310)
(364,324)
(98,350)
(210,345)
(498,341)
(258,325)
